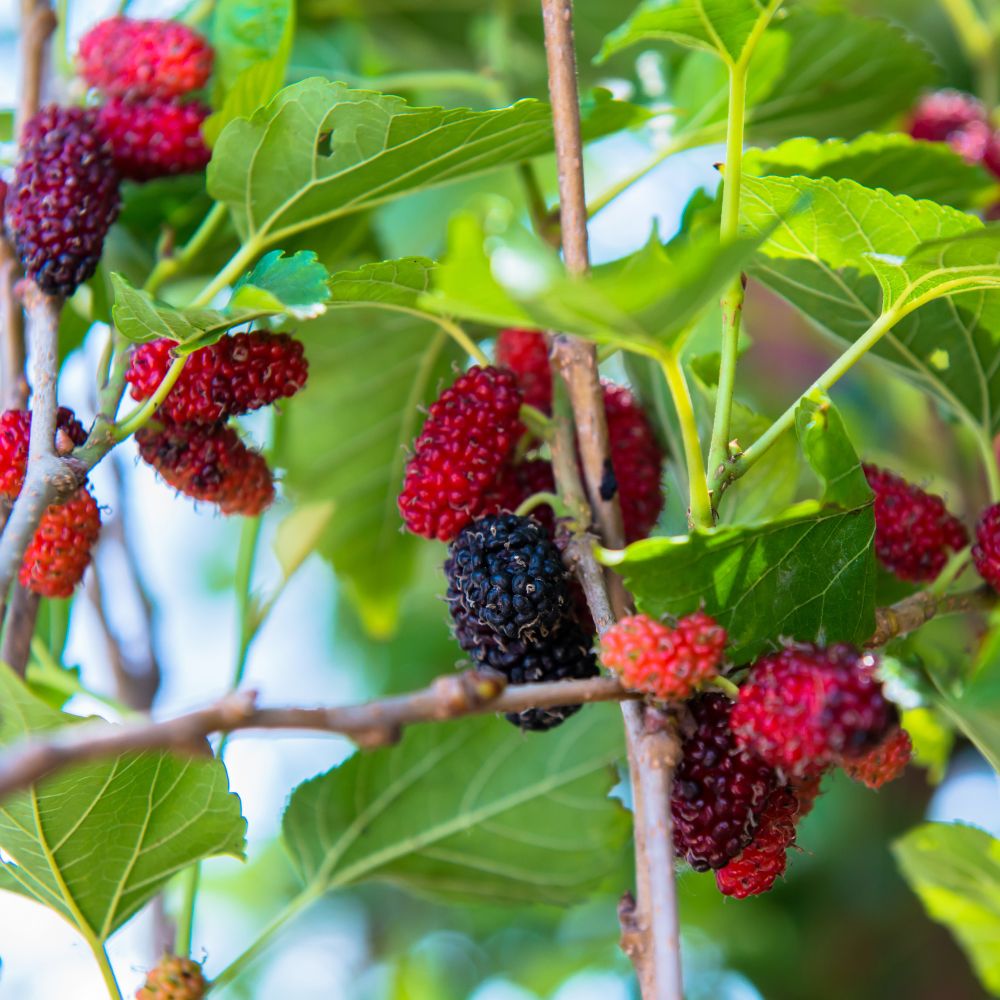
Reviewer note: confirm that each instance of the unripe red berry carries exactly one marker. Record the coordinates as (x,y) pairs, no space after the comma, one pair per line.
(15,433)
(884,763)
(914,532)
(941,114)
(986,551)
(526,354)
(60,551)
(124,57)
(470,432)
(235,375)
(805,708)
(154,138)
(763,861)
(636,460)
(63,199)
(209,463)
(666,662)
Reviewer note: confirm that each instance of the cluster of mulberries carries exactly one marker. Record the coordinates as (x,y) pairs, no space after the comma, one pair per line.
(191,444)
(513,609)
(636,456)
(60,551)
(64,195)
(146,69)
(960,120)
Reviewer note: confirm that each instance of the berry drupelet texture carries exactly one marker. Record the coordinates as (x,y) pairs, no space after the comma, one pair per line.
(526,354)
(636,459)
(15,434)
(154,138)
(763,861)
(719,788)
(884,763)
(565,653)
(124,57)
(986,551)
(914,532)
(175,978)
(235,375)
(59,553)
(209,463)
(517,482)
(63,199)
(805,708)
(666,662)
(505,572)
(470,431)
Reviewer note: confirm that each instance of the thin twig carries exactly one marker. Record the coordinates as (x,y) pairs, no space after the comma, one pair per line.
(38,21)
(21,618)
(650,932)
(370,725)
(911,612)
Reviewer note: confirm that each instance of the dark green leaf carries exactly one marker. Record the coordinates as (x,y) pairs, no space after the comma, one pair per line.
(955,870)
(813,73)
(247,32)
(470,810)
(808,574)
(344,439)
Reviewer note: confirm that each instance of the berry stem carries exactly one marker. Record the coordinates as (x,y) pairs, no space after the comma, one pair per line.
(953,569)
(537,422)
(191,883)
(700,513)
(725,685)
(168,267)
(143,413)
(540,500)
(107,972)
(979,43)
(732,301)
(722,478)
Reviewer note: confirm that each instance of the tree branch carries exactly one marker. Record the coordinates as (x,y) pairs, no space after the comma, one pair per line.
(50,478)
(370,725)
(38,21)
(650,932)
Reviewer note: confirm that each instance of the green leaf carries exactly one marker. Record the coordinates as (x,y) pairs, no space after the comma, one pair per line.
(843,253)
(808,574)
(98,841)
(393,282)
(344,439)
(320,150)
(295,286)
(720,26)
(247,32)
(495,272)
(470,810)
(955,870)
(973,705)
(800,83)
(278,286)
(895,162)
(253,88)
(828,449)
